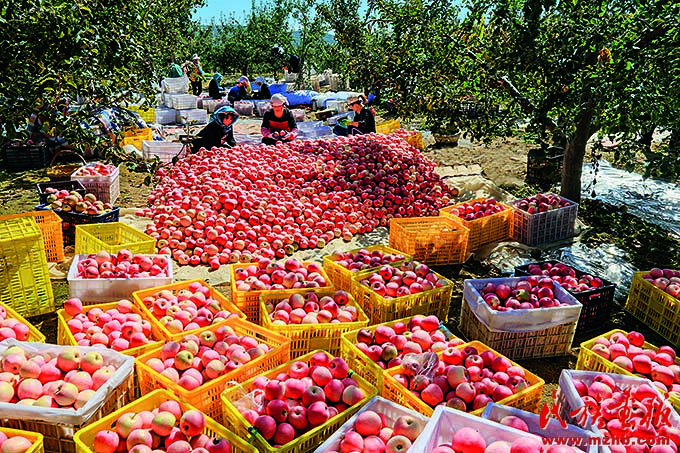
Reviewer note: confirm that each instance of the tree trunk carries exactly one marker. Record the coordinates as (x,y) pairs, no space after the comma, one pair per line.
(574,153)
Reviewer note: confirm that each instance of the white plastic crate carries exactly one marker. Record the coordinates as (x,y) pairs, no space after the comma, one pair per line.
(94,290)
(244,107)
(378,404)
(105,188)
(164,150)
(181,101)
(192,116)
(570,402)
(262,107)
(175,85)
(309,126)
(554,430)
(165,115)
(446,421)
(298,114)
(338,105)
(520,320)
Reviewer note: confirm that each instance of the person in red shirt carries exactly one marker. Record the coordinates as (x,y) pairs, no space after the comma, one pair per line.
(278,124)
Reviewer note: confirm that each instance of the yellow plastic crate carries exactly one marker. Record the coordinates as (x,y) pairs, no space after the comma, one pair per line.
(387,127)
(655,307)
(35,438)
(148,114)
(135,137)
(66,338)
(361,363)
(24,279)
(112,237)
(249,301)
(166,334)
(207,396)
(380,309)
(591,361)
(309,337)
(528,399)
(416,140)
(430,240)
(84,439)
(485,230)
(50,227)
(304,443)
(341,277)
(34,335)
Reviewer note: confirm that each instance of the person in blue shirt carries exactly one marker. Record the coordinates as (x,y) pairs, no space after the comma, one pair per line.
(238,92)
(218,132)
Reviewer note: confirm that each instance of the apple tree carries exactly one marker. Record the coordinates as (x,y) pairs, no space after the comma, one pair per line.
(102,52)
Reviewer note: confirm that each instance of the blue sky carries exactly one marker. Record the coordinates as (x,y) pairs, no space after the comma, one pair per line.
(213,8)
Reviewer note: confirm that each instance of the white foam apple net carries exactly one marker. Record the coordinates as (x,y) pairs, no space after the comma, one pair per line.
(420,364)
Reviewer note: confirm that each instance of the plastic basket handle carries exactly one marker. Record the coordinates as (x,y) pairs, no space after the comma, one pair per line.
(66,151)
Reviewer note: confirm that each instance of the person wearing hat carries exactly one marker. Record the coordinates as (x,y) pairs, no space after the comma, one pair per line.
(173,70)
(263,89)
(278,123)
(364,120)
(218,132)
(238,92)
(214,86)
(196,75)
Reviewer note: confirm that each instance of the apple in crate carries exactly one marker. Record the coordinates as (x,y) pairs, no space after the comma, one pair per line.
(117,328)
(167,428)
(534,292)
(268,275)
(68,380)
(302,398)
(198,359)
(542,203)
(372,432)
(12,328)
(124,264)
(187,309)
(465,381)
(477,210)
(566,276)
(667,280)
(387,345)
(14,444)
(62,200)
(628,352)
(309,308)
(97,170)
(363,259)
(408,278)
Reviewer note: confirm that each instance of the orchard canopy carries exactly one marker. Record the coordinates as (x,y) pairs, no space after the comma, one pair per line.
(562,70)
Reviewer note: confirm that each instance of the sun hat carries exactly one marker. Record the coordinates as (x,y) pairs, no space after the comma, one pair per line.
(195,57)
(351,100)
(243,79)
(259,79)
(278,99)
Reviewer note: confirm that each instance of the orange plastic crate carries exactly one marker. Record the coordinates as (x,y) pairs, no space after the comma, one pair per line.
(306,442)
(485,230)
(591,361)
(35,438)
(361,363)
(528,399)
(341,277)
(379,309)
(34,335)
(430,240)
(309,337)
(167,335)
(66,338)
(207,396)
(50,226)
(84,439)
(249,301)
(655,307)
